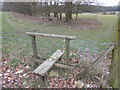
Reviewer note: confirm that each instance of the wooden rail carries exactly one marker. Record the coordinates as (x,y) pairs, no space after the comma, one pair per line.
(99,59)
(51,35)
(67,40)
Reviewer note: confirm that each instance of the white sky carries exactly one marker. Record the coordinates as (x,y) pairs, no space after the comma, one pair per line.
(102,2)
(109,2)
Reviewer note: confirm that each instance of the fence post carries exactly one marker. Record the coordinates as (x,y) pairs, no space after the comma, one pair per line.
(67,49)
(119,55)
(115,68)
(34,46)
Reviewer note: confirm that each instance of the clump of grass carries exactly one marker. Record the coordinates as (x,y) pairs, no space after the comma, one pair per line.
(14,62)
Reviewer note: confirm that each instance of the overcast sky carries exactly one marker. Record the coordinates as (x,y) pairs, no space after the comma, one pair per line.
(102,2)
(109,2)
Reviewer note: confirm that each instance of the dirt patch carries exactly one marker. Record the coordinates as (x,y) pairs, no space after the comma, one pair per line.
(84,24)
(80,24)
(26,17)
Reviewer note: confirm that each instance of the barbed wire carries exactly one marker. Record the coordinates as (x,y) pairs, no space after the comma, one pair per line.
(12,38)
(81,45)
(94,43)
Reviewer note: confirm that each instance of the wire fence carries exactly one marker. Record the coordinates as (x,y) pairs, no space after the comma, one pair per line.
(81,41)
(21,34)
(47,46)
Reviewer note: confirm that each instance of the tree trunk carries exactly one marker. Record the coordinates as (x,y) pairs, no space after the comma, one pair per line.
(77,11)
(47,11)
(76,15)
(57,16)
(34,8)
(60,16)
(68,13)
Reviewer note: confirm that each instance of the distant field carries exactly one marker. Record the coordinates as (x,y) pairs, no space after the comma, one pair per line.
(17,44)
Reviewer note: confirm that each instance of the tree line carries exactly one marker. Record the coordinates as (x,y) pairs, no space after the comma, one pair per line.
(57,8)
(46,8)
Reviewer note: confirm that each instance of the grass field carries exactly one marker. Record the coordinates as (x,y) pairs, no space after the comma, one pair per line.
(18,45)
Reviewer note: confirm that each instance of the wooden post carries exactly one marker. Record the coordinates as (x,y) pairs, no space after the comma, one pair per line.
(115,68)
(67,49)
(119,55)
(34,46)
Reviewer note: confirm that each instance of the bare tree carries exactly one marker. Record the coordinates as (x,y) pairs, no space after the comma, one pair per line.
(68,11)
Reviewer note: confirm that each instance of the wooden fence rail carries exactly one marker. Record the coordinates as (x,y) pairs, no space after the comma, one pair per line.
(51,35)
(67,40)
(99,59)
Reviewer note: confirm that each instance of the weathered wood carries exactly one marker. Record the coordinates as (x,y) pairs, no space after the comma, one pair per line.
(57,64)
(64,66)
(115,68)
(67,49)
(34,46)
(99,59)
(47,65)
(119,55)
(51,35)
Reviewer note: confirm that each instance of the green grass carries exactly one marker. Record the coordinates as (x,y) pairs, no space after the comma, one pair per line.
(18,44)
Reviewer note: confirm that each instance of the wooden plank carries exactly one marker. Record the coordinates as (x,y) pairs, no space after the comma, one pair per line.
(47,65)
(57,64)
(67,49)
(99,59)
(51,35)
(34,46)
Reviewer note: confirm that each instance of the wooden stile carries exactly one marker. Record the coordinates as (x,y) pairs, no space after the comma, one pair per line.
(67,40)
